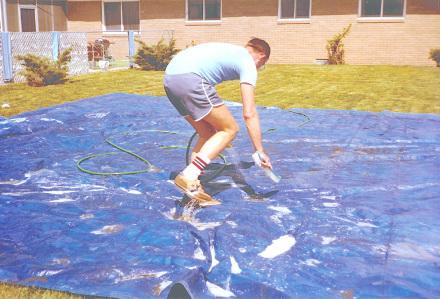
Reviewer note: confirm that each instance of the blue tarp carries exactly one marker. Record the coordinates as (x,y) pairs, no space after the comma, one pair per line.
(354,216)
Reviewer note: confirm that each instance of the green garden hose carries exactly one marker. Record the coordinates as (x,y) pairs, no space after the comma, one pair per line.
(108,154)
(308,120)
(188,148)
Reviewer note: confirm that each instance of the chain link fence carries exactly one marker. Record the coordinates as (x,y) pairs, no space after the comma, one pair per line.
(88,47)
(75,40)
(118,44)
(22,43)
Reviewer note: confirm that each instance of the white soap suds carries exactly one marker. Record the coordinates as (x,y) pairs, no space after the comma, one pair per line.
(365,224)
(278,246)
(328,240)
(217,291)
(214,261)
(235,269)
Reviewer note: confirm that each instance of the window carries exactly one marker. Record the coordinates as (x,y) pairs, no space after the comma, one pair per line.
(294,9)
(382,8)
(120,16)
(203,10)
(28,19)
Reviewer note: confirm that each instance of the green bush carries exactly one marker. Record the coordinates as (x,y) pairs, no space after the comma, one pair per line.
(434,54)
(155,57)
(335,47)
(42,71)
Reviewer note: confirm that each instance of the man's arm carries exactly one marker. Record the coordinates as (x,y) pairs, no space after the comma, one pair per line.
(252,120)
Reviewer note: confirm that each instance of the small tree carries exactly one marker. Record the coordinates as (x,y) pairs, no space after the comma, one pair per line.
(335,47)
(434,54)
(155,57)
(42,71)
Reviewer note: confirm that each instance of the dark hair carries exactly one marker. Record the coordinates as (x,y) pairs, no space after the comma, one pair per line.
(260,46)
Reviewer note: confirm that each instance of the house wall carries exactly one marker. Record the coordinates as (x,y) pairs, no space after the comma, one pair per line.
(398,42)
(84,16)
(50,16)
(12,16)
(59,12)
(45,17)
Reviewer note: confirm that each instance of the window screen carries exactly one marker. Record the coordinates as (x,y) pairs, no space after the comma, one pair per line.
(292,9)
(393,8)
(212,9)
(200,10)
(112,14)
(121,16)
(195,9)
(382,8)
(130,15)
(302,8)
(28,20)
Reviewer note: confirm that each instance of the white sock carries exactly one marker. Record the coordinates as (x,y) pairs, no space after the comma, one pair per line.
(193,170)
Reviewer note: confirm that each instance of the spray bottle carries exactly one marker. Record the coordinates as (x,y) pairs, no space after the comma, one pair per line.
(269,172)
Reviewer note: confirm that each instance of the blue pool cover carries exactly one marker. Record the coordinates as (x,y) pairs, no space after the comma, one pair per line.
(355,215)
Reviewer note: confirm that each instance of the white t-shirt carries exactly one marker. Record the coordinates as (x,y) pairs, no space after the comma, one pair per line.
(215,62)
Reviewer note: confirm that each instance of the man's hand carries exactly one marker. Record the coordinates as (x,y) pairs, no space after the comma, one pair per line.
(266,160)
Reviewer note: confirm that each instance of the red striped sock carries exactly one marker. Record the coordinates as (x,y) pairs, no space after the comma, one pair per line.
(199,163)
(195,169)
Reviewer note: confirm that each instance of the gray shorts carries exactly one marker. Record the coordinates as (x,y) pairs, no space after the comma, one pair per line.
(191,95)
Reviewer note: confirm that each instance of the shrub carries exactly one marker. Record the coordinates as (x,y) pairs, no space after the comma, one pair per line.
(335,47)
(155,57)
(434,54)
(42,71)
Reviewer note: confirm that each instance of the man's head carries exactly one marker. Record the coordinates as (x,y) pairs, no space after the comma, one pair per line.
(260,49)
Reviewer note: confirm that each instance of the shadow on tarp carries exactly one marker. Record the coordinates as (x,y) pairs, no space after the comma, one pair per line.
(355,214)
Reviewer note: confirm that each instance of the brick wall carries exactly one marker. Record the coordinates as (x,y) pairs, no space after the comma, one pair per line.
(84,16)
(405,41)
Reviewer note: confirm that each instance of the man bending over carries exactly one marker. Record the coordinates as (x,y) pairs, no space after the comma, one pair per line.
(189,83)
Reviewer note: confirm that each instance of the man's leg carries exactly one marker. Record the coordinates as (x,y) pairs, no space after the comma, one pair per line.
(205,131)
(213,143)
(216,131)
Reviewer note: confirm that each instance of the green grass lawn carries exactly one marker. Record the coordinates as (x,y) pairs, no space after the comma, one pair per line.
(19,292)
(408,89)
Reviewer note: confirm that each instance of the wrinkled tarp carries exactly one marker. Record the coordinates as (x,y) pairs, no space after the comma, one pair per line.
(355,215)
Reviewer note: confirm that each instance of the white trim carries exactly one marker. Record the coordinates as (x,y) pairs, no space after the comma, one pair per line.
(53,16)
(381,20)
(102,17)
(294,19)
(381,8)
(34,8)
(203,23)
(1,16)
(5,16)
(115,33)
(381,17)
(404,9)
